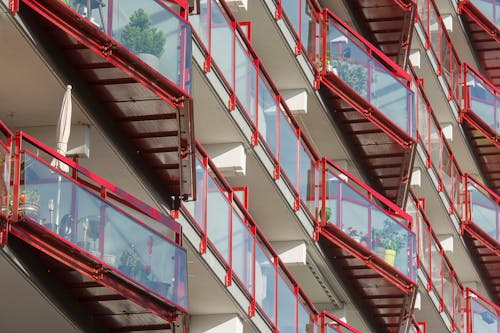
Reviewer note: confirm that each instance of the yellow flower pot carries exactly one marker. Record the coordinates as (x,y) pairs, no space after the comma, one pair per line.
(390,256)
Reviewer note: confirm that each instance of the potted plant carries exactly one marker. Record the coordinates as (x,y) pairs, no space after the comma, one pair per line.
(144,40)
(355,234)
(391,240)
(29,203)
(130,263)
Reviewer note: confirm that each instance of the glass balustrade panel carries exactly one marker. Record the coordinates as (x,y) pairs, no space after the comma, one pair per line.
(197,207)
(435,147)
(243,253)
(151,31)
(447,290)
(307,176)
(102,230)
(287,303)
(483,319)
(222,46)
(436,268)
(482,101)
(485,211)
(218,218)
(292,11)
(305,320)
(268,115)
(288,156)
(265,282)
(434,31)
(246,87)
(490,9)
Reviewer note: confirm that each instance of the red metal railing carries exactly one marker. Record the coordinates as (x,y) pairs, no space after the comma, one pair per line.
(439,154)
(5,151)
(483,316)
(483,210)
(439,41)
(439,275)
(116,21)
(251,89)
(485,13)
(96,219)
(369,72)
(228,229)
(481,104)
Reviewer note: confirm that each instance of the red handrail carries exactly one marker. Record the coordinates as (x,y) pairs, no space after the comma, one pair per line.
(119,194)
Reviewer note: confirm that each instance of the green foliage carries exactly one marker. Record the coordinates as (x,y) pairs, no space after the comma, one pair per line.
(139,36)
(390,238)
(353,74)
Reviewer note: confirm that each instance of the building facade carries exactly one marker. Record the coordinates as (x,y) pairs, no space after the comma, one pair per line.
(291,166)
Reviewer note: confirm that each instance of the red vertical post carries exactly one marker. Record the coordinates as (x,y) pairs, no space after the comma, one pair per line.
(14,6)
(229,274)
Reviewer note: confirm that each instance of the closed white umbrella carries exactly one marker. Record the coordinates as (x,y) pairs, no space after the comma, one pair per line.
(62,136)
(63,129)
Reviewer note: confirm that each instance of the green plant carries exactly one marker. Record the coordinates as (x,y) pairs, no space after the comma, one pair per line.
(390,237)
(131,264)
(355,75)
(139,36)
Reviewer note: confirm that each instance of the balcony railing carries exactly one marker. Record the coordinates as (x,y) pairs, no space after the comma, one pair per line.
(439,41)
(149,29)
(95,218)
(483,208)
(418,327)
(482,315)
(229,52)
(483,100)
(5,151)
(229,230)
(367,71)
(438,152)
(331,324)
(490,9)
(438,273)
(354,208)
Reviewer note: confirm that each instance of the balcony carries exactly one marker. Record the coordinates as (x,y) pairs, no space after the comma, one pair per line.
(227,229)
(481,19)
(101,244)
(370,100)
(436,272)
(372,248)
(255,99)
(135,87)
(482,231)
(481,111)
(482,315)
(387,24)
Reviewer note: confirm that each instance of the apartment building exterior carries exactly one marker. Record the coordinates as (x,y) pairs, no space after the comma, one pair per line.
(238,166)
